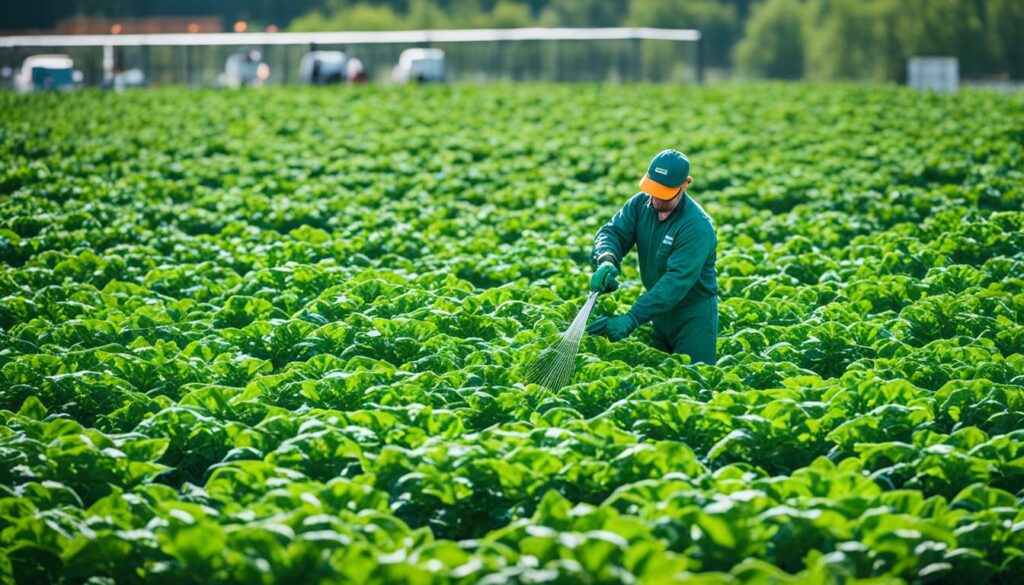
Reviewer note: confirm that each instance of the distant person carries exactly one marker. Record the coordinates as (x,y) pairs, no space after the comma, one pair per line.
(355,72)
(315,76)
(676,245)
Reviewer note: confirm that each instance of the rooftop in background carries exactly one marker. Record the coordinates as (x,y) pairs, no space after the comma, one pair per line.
(89,25)
(359,37)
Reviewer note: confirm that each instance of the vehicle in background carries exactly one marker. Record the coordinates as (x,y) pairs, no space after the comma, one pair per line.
(122,80)
(47,72)
(419,66)
(323,67)
(355,72)
(245,69)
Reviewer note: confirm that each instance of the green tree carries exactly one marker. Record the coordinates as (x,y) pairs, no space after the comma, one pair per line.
(851,39)
(585,13)
(466,14)
(1005,27)
(425,14)
(716,21)
(773,43)
(357,17)
(742,8)
(510,14)
(941,28)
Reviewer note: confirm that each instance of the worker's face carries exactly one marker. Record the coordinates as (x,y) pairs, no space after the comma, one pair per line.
(664,205)
(667,205)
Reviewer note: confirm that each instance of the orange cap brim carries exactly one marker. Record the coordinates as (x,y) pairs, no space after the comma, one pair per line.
(656,189)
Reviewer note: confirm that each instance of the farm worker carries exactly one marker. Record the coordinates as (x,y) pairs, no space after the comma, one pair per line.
(675,243)
(355,71)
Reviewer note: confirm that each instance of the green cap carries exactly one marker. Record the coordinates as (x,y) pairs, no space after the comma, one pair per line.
(667,173)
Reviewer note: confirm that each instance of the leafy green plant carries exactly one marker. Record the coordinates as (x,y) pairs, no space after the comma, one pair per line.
(282,336)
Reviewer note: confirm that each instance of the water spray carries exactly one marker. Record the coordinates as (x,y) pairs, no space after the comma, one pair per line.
(553,368)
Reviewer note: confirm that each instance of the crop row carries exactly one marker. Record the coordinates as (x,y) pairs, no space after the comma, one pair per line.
(259,337)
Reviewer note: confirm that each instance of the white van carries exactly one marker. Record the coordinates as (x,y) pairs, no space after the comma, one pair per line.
(47,72)
(419,65)
(322,67)
(245,69)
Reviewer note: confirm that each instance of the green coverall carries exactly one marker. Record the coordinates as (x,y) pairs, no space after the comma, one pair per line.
(677,267)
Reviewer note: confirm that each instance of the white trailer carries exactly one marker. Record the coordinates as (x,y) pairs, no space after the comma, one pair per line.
(419,65)
(47,72)
(940,74)
(245,69)
(323,67)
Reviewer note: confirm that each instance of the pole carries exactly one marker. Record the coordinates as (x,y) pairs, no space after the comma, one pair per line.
(636,61)
(554,61)
(108,64)
(700,59)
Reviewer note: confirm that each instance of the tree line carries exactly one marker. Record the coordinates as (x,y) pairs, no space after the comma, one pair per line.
(867,40)
(789,39)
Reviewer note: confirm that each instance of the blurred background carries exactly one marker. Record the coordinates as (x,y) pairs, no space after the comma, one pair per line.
(253,42)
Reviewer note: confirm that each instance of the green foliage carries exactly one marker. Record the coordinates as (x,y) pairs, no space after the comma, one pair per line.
(854,40)
(872,40)
(717,22)
(773,42)
(280,336)
(358,17)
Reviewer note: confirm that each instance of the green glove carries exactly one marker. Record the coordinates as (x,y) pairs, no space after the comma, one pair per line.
(620,327)
(615,328)
(598,326)
(604,279)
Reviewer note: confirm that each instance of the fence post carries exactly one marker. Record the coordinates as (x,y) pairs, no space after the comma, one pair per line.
(699,60)
(108,64)
(636,73)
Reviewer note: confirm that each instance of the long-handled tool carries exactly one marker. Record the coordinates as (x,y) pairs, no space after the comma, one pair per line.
(554,366)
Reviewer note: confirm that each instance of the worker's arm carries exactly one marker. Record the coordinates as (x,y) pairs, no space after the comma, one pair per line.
(685,263)
(617,237)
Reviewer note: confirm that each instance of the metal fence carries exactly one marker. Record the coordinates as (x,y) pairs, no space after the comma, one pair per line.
(541,54)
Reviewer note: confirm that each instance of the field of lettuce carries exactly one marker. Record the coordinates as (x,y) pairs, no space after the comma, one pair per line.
(280,337)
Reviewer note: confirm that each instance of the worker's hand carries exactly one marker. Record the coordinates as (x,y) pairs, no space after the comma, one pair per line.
(605,279)
(620,327)
(615,328)
(598,326)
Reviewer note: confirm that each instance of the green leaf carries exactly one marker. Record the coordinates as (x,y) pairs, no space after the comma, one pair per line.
(32,408)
